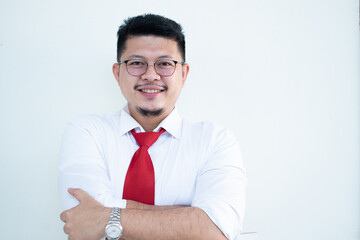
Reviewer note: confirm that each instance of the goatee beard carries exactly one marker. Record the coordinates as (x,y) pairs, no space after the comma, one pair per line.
(148,113)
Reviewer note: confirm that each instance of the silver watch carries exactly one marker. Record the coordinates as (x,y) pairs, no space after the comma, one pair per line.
(114,230)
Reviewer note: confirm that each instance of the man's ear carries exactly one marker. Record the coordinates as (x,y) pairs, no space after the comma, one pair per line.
(116,70)
(185,72)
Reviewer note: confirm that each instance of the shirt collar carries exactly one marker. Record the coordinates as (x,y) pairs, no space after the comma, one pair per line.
(172,123)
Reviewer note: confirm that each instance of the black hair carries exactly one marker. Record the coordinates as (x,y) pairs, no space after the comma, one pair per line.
(150,24)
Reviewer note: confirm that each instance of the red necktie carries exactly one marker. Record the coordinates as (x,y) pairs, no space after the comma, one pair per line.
(140,178)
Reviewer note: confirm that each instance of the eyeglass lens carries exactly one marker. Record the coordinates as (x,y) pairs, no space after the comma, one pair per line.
(138,67)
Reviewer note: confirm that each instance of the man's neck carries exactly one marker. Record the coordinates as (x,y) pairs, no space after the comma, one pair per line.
(149,123)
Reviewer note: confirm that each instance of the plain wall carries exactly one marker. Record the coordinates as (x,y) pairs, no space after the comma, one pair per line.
(282,75)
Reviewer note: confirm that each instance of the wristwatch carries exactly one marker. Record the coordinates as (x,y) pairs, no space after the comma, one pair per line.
(114,230)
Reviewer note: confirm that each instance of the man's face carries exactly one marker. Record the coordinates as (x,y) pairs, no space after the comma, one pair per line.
(150,92)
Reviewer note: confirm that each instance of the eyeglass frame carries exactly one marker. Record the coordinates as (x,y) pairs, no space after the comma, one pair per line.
(147,65)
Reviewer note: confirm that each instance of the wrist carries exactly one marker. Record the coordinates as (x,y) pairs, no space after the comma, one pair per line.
(106,215)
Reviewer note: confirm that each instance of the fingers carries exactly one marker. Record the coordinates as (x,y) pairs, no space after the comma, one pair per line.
(78,193)
(63,216)
(66,229)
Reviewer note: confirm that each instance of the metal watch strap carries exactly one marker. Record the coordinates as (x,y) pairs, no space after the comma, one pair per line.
(115,215)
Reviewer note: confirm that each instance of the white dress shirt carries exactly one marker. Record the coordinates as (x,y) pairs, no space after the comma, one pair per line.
(195,163)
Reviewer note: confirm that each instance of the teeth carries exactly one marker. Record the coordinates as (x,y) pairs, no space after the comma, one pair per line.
(150,90)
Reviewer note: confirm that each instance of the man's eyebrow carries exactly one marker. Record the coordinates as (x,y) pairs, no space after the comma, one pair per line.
(136,56)
(165,56)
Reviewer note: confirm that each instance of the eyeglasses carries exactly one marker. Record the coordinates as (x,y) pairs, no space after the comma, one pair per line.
(163,67)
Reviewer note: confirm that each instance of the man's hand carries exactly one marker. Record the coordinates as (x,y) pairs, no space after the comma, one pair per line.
(87,220)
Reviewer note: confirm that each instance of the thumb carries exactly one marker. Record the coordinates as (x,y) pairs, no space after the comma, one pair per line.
(78,193)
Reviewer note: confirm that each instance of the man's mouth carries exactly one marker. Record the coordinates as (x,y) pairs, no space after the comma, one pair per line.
(150,90)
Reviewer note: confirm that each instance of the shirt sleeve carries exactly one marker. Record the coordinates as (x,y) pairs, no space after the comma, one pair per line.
(83,165)
(220,187)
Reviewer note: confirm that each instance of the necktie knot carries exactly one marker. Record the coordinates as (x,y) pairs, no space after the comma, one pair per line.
(146,139)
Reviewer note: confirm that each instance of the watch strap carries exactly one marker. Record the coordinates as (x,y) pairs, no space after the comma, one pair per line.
(115,215)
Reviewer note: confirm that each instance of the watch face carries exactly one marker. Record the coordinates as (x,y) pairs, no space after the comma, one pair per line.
(113,231)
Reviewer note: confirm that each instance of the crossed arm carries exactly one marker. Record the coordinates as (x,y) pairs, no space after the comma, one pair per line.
(219,190)
(140,221)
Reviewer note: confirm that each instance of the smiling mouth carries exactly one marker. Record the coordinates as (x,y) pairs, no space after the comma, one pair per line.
(150,90)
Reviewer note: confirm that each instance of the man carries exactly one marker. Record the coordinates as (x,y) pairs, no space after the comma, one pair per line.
(189,182)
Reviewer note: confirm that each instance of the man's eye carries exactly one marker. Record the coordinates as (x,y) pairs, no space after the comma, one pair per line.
(136,63)
(165,64)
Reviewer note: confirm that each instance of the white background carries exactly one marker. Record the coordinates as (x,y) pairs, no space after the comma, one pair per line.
(281,74)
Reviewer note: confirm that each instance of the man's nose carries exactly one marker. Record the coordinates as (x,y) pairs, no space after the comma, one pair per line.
(150,74)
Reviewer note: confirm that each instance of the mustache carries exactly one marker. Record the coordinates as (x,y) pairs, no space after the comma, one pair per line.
(150,84)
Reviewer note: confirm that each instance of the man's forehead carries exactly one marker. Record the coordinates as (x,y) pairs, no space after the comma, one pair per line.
(144,57)
(140,46)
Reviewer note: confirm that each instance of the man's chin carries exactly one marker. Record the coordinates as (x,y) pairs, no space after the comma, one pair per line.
(149,113)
